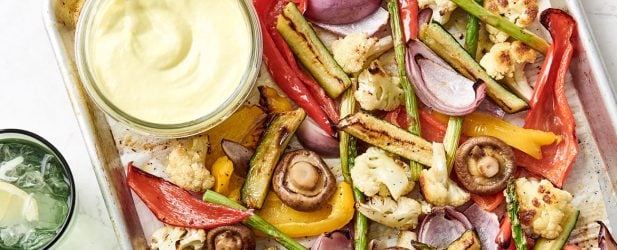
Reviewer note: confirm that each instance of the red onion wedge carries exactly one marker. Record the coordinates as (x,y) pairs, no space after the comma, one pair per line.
(340,239)
(443,227)
(369,25)
(605,239)
(239,155)
(340,11)
(439,86)
(485,223)
(314,138)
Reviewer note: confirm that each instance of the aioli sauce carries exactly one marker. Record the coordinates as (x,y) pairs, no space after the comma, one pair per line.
(169,61)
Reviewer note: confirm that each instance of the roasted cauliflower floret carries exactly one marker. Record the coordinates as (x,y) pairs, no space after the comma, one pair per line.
(352,51)
(505,58)
(186,167)
(176,238)
(441,9)
(375,172)
(543,208)
(435,185)
(377,90)
(402,214)
(520,12)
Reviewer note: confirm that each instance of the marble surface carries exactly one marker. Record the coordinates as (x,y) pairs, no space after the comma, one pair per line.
(32,97)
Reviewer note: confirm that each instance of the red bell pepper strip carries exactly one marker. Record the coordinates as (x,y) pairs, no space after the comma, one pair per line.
(488,202)
(432,128)
(408,11)
(175,206)
(504,237)
(549,106)
(268,10)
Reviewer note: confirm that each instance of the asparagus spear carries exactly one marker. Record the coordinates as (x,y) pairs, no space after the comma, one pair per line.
(503,24)
(348,154)
(411,104)
(512,206)
(255,221)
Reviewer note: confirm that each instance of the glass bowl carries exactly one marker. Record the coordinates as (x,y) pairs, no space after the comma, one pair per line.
(23,137)
(167,130)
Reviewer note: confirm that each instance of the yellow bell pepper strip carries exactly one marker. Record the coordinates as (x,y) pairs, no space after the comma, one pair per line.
(222,169)
(336,214)
(530,141)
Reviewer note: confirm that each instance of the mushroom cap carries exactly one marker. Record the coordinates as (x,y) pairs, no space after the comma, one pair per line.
(472,177)
(234,237)
(303,181)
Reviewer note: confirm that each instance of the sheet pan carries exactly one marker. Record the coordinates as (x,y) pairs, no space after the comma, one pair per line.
(592,181)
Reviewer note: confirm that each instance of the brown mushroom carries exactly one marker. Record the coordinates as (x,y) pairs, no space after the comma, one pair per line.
(303,181)
(235,237)
(484,164)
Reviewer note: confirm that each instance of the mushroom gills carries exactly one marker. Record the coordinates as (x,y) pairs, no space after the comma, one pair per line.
(303,181)
(234,237)
(484,164)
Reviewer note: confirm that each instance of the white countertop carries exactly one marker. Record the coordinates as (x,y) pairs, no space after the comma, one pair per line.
(32,97)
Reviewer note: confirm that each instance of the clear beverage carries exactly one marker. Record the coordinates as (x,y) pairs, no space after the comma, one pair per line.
(36,192)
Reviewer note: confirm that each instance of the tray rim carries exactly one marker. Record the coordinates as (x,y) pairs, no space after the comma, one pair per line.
(86,112)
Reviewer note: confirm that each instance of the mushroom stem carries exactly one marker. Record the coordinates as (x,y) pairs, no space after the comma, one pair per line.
(488,166)
(303,175)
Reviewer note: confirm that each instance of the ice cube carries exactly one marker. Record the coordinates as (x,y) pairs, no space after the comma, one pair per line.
(58,186)
(52,212)
(32,180)
(9,166)
(10,236)
(36,239)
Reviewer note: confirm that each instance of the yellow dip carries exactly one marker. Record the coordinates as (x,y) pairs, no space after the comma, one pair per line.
(169,61)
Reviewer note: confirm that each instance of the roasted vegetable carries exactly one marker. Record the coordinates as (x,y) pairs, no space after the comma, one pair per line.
(542,208)
(186,166)
(347,149)
(436,185)
(340,12)
(255,222)
(282,66)
(270,99)
(549,105)
(303,181)
(375,172)
(504,25)
(305,44)
(273,143)
(388,137)
(442,43)
(484,165)
(338,211)
(561,240)
(468,241)
(520,242)
(177,207)
(173,238)
(529,141)
(411,103)
(222,169)
(231,237)
(244,126)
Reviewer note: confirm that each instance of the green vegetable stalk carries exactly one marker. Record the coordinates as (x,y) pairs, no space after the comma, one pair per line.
(452,138)
(503,24)
(411,104)
(255,222)
(348,154)
(512,206)
(472,34)
(455,124)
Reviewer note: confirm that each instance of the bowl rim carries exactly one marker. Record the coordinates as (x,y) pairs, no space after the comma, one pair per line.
(183,129)
(69,174)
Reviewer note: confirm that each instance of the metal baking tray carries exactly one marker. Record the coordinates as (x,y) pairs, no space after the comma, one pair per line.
(593,180)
